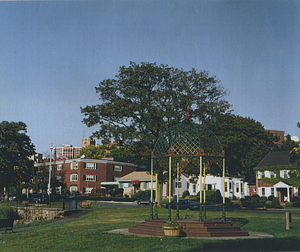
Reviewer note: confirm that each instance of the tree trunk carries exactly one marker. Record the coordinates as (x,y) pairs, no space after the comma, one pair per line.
(159,194)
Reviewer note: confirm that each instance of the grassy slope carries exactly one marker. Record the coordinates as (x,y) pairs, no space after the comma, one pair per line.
(88,234)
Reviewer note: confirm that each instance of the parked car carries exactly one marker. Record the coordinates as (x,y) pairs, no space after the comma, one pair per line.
(145,201)
(184,204)
(35,198)
(12,197)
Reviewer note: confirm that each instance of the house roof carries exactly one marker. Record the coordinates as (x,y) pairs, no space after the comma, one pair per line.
(275,158)
(137,175)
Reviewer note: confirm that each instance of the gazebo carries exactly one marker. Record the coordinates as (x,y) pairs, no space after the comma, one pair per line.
(188,143)
(185,143)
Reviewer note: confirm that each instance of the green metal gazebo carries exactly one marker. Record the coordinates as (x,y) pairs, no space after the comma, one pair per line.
(187,141)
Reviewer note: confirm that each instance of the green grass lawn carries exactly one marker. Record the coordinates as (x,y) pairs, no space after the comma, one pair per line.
(88,233)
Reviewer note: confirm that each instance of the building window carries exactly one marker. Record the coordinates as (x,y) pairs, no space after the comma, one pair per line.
(59,167)
(237,187)
(178,184)
(74,165)
(209,187)
(90,165)
(194,188)
(263,191)
(262,174)
(285,174)
(88,189)
(272,174)
(226,187)
(89,177)
(73,177)
(59,178)
(242,188)
(118,167)
(230,186)
(272,191)
(73,188)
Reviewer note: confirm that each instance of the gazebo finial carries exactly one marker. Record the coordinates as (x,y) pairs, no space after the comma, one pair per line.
(188,113)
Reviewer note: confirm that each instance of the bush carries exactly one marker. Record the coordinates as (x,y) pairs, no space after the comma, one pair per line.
(270,198)
(7,212)
(65,191)
(235,203)
(296,204)
(260,204)
(268,204)
(210,196)
(246,204)
(294,199)
(289,204)
(253,202)
(143,194)
(185,193)
(116,191)
(262,200)
(275,202)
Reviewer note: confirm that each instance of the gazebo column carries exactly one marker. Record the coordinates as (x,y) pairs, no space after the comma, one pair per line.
(177,210)
(156,196)
(170,184)
(204,193)
(200,208)
(223,214)
(151,207)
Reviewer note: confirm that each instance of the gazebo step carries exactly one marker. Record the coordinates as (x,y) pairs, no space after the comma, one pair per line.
(191,228)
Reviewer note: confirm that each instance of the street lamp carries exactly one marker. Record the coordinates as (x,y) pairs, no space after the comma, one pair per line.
(50,168)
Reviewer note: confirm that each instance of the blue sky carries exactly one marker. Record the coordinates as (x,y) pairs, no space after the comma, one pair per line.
(54,53)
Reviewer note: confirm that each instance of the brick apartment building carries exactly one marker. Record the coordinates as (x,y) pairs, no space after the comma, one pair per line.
(83,175)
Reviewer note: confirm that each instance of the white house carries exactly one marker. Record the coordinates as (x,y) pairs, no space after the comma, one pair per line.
(234,186)
(141,180)
(273,176)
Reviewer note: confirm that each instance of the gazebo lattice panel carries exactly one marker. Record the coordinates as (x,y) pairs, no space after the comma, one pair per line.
(187,139)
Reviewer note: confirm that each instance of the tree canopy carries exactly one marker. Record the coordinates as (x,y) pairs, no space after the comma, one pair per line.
(144,99)
(15,149)
(245,142)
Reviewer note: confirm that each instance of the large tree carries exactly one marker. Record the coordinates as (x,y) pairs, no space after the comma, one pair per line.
(245,142)
(15,149)
(144,99)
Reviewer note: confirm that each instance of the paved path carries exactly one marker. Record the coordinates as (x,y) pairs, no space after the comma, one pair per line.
(71,215)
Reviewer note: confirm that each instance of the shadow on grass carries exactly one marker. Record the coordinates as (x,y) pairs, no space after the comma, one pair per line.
(271,244)
(239,221)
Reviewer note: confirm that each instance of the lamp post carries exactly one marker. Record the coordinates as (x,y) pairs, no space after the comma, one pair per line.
(50,168)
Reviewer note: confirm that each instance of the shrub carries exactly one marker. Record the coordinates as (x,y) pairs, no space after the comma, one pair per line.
(116,191)
(219,198)
(262,200)
(296,204)
(289,204)
(7,212)
(235,203)
(268,204)
(270,198)
(143,194)
(275,202)
(260,204)
(294,199)
(185,193)
(246,204)
(253,202)
(255,196)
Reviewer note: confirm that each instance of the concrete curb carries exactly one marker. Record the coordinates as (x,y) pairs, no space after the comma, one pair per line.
(252,235)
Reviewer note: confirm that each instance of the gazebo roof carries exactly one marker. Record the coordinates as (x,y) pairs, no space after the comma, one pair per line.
(187,139)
